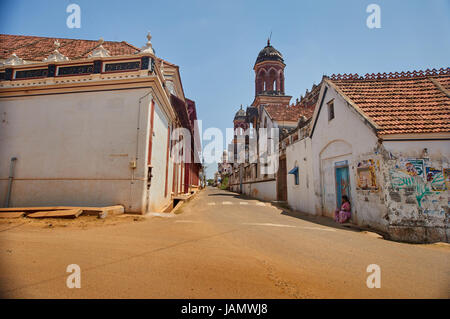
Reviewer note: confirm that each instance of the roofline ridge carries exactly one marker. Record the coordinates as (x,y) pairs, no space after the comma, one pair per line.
(130,45)
(59,38)
(392,75)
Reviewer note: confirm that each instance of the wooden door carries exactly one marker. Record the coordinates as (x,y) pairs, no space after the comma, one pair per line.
(282,181)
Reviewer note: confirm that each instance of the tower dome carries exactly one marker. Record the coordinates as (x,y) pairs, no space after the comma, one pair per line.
(269,53)
(269,71)
(240,119)
(241,114)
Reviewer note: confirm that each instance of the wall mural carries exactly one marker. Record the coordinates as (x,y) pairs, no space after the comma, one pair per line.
(365,175)
(436,178)
(413,167)
(413,174)
(446,172)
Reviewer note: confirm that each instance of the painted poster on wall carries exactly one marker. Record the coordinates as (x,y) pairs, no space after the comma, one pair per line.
(446,172)
(436,179)
(366,177)
(413,167)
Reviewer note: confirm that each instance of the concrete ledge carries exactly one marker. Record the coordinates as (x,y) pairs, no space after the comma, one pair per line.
(61,211)
(329,222)
(419,234)
(183,199)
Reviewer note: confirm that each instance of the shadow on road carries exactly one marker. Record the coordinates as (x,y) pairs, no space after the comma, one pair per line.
(226,194)
(319,220)
(328,222)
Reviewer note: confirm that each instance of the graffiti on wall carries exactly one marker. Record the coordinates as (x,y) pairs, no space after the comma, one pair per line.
(412,174)
(436,178)
(446,172)
(365,175)
(402,180)
(413,167)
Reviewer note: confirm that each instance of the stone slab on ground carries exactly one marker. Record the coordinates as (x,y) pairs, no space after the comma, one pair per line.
(11,214)
(67,213)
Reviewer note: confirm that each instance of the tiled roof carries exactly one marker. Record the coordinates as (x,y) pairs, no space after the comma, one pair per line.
(32,48)
(304,107)
(401,103)
(283,113)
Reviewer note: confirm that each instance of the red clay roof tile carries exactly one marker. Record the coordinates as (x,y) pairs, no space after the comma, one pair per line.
(400,103)
(32,48)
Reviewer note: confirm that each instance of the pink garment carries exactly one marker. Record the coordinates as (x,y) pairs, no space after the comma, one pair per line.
(344,214)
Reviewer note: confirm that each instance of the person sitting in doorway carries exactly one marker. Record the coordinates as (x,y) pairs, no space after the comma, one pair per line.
(343,214)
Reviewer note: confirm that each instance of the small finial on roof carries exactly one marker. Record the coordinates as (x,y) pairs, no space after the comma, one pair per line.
(56,56)
(148,48)
(13,60)
(56,44)
(100,51)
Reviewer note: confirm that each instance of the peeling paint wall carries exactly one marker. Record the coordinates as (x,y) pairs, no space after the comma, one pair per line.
(400,187)
(417,191)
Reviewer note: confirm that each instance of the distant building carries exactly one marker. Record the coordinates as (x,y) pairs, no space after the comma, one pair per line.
(270,109)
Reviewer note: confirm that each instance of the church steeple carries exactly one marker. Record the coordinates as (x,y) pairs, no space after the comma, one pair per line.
(269,71)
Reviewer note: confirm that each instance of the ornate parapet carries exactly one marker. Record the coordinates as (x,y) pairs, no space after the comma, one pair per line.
(391,75)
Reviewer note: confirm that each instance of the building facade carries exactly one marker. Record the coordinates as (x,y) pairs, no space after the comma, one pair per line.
(384,141)
(272,112)
(89,123)
(381,139)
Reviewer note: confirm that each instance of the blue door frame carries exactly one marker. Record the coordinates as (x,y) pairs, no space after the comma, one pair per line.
(342,181)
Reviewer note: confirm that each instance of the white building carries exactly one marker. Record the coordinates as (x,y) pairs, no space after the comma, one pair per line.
(87,123)
(384,141)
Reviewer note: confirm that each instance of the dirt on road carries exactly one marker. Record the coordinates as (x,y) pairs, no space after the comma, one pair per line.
(220,246)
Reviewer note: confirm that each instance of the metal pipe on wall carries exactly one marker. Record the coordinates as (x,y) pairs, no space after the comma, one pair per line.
(10,180)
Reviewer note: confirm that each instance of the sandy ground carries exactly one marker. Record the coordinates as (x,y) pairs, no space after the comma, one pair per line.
(219,245)
(82,222)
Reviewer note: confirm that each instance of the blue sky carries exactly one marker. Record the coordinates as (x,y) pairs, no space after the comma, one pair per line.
(215,43)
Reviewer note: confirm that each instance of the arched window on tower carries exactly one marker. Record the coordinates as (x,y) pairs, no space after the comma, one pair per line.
(274,85)
(261,79)
(272,80)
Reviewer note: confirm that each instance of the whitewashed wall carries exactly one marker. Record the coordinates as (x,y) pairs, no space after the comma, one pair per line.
(158,198)
(261,190)
(340,139)
(300,196)
(75,149)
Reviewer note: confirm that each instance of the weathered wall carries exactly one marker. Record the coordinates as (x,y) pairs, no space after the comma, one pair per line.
(261,190)
(385,191)
(417,190)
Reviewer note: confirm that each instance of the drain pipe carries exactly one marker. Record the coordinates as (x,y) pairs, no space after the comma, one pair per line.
(10,180)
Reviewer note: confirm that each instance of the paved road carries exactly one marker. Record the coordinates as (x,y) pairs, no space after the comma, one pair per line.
(219,246)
